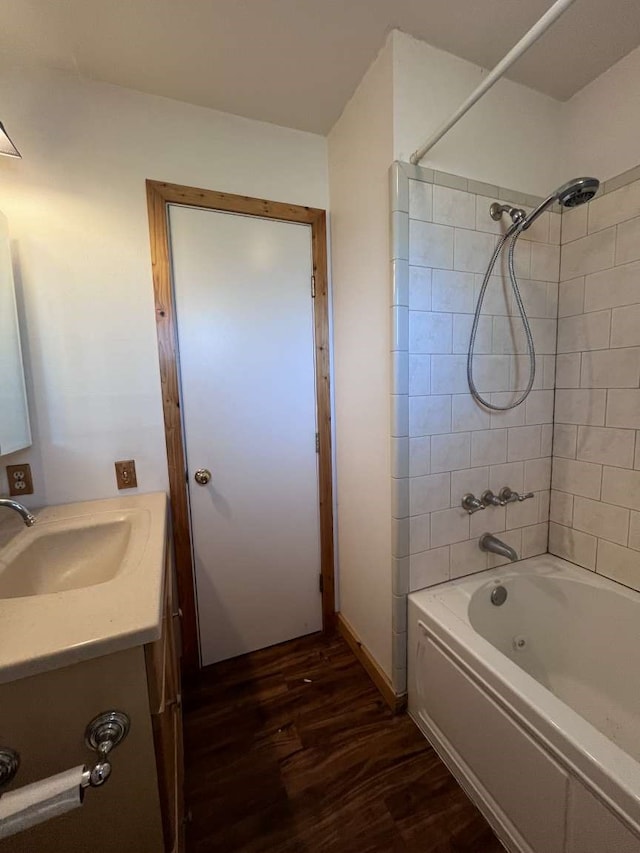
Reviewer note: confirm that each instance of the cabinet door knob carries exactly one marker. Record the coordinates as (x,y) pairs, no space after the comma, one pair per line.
(202,476)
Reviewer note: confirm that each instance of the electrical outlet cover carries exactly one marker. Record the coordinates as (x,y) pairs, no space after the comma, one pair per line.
(20,480)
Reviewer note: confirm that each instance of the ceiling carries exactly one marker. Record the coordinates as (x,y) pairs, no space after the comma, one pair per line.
(296,62)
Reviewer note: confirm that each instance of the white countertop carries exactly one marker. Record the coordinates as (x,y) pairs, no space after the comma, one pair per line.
(45,632)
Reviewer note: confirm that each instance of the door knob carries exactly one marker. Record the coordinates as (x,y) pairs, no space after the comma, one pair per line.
(202,476)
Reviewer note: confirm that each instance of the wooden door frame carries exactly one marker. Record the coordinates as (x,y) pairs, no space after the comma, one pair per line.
(159,196)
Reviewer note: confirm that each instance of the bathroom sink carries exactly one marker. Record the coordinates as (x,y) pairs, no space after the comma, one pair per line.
(86,580)
(55,559)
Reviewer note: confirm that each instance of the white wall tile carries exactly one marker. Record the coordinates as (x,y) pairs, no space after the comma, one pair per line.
(555,224)
(498,298)
(621,487)
(430,245)
(522,513)
(419,456)
(578,478)
(419,533)
(573,545)
(454,207)
(634,531)
(618,563)
(539,407)
(473,250)
(400,497)
(625,326)
(606,446)
(545,262)
(449,374)
(584,332)
(535,540)
(614,207)
(616,368)
(420,288)
(488,447)
(400,537)
(429,332)
(450,452)
(470,480)
(546,440)
(420,200)
(562,508)
(574,223)
(568,370)
(419,367)
(466,414)
(507,417)
(449,525)
(623,408)
(600,519)
(537,474)
(580,406)
(399,415)
(544,335)
(493,518)
(400,372)
(508,474)
(400,457)
(628,241)
(429,415)
(400,282)
(399,327)
(611,288)
(564,440)
(452,291)
(571,295)
(534,297)
(462,333)
(588,254)
(524,443)
(490,372)
(428,568)
(430,493)
(467,558)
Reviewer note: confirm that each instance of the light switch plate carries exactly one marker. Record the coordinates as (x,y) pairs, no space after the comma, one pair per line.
(20,480)
(126,474)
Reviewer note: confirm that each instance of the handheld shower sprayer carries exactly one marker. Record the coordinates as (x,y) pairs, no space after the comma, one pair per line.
(572,194)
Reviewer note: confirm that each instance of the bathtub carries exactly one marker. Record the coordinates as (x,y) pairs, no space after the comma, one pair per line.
(534,704)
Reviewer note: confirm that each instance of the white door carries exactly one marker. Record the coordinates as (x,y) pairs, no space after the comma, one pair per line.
(245,330)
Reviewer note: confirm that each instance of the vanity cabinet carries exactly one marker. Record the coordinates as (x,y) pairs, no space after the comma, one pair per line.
(44,716)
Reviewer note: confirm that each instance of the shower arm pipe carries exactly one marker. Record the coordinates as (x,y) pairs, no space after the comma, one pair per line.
(538,29)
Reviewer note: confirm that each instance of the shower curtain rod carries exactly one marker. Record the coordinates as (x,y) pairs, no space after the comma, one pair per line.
(550,17)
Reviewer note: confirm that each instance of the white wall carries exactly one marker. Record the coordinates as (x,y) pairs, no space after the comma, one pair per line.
(360,153)
(77,214)
(510,138)
(601,123)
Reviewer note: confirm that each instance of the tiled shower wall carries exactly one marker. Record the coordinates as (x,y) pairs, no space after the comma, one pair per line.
(444,443)
(595,503)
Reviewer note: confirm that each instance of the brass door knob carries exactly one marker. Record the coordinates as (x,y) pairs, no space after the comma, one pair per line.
(202,476)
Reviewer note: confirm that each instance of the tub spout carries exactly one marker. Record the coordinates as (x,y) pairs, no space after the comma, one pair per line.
(489,542)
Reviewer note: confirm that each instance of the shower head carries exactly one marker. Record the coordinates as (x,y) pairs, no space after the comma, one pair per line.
(572,194)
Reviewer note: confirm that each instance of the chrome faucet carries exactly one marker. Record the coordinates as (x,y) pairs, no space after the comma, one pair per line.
(489,542)
(22,511)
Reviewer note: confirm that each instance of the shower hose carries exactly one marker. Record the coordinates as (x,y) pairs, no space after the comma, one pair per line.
(512,234)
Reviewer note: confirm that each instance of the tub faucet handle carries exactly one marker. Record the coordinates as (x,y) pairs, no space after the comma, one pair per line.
(508,496)
(489,499)
(471,503)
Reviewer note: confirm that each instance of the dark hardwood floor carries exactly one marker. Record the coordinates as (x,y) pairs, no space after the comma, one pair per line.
(292,750)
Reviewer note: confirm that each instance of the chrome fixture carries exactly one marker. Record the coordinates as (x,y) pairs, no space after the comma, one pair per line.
(9,765)
(202,476)
(489,542)
(517,214)
(22,511)
(573,193)
(6,145)
(471,503)
(498,595)
(102,735)
(507,496)
(489,499)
